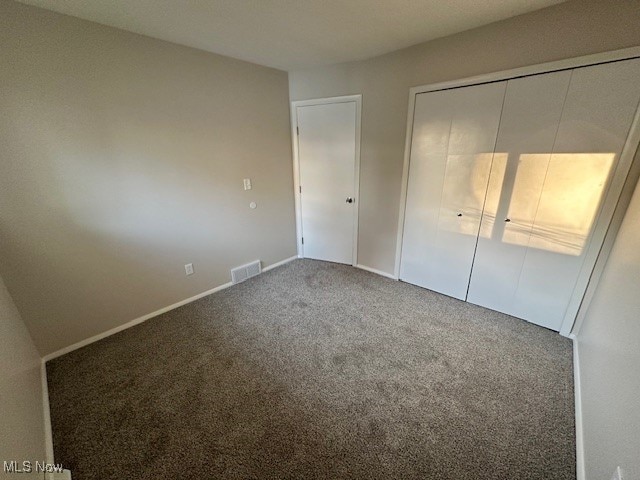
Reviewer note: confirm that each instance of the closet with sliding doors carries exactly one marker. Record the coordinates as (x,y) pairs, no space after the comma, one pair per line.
(511,187)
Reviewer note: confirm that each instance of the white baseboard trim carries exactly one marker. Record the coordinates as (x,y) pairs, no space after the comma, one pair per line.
(282,262)
(378,272)
(48,434)
(124,326)
(144,318)
(580,469)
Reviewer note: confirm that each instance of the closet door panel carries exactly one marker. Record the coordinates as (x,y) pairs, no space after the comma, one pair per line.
(530,120)
(599,109)
(421,218)
(452,147)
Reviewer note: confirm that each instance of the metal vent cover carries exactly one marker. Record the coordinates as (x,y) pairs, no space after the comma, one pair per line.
(243,272)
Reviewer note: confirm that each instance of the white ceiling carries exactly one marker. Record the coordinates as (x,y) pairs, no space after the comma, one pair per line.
(292,34)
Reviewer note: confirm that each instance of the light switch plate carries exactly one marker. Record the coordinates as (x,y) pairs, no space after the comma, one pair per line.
(188,269)
(247,184)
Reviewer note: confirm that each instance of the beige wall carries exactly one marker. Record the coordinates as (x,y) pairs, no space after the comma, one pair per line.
(609,349)
(563,31)
(122,159)
(21,417)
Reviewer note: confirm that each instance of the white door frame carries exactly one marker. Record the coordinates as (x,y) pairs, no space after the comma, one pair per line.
(610,208)
(296,166)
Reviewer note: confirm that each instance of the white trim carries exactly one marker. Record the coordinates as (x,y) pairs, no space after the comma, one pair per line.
(615,201)
(577,306)
(48,434)
(610,236)
(356,180)
(580,468)
(144,318)
(132,323)
(296,165)
(566,64)
(296,179)
(378,272)
(280,263)
(405,181)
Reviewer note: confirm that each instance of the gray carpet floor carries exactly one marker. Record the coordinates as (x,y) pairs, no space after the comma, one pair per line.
(318,370)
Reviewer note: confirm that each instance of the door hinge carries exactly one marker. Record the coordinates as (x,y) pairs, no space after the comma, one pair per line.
(300,187)
(302,238)
(297,130)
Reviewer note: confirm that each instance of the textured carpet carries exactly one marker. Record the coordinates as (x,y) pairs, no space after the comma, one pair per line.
(318,370)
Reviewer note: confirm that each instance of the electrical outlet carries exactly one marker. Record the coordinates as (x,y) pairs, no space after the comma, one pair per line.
(188,269)
(247,184)
(617,475)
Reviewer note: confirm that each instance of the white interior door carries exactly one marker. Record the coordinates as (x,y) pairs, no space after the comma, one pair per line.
(454,134)
(327,149)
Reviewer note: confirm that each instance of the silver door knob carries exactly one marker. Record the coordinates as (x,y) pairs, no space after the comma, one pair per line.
(349,200)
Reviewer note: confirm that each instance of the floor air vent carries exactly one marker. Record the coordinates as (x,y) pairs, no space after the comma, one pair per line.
(240,274)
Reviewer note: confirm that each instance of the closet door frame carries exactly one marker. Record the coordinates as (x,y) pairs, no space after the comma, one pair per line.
(615,201)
